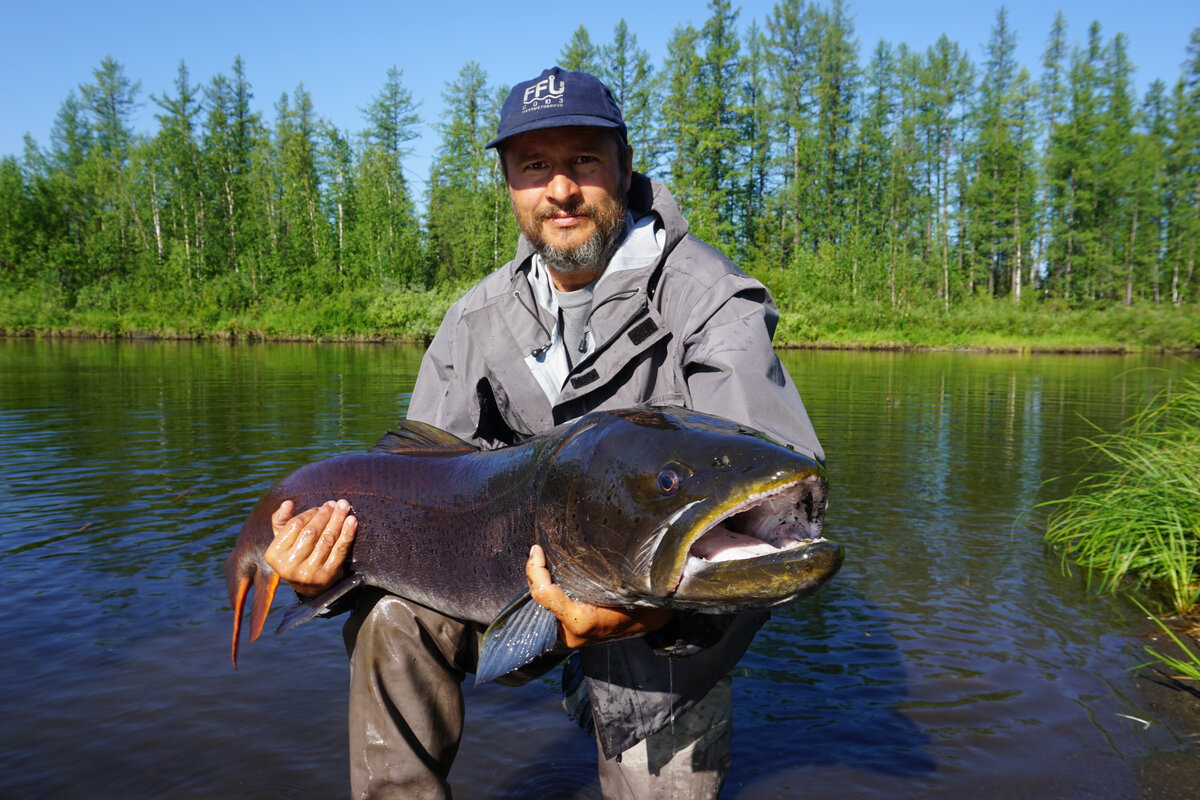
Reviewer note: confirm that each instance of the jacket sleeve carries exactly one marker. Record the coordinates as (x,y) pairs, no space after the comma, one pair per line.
(731,369)
(438,397)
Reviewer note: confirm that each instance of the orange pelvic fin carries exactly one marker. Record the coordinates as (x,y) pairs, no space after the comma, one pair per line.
(239,603)
(264,593)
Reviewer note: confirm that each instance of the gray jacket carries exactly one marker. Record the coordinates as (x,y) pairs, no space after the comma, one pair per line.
(690,330)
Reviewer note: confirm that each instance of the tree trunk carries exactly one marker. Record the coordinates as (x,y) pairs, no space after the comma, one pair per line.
(1016,268)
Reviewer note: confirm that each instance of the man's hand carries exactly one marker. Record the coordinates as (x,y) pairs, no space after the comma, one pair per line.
(309,550)
(579,623)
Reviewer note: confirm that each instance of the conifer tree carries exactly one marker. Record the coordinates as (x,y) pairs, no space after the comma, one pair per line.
(1053,104)
(580,54)
(297,219)
(68,201)
(718,118)
(386,237)
(869,228)
(237,234)
(1146,199)
(338,198)
(177,177)
(13,221)
(1071,162)
(463,198)
(118,236)
(916,179)
(1184,176)
(627,70)
(1118,176)
(835,86)
(757,122)
(790,53)
(946,85)
(680,130)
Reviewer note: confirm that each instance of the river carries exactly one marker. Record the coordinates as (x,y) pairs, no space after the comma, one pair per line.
(950,658)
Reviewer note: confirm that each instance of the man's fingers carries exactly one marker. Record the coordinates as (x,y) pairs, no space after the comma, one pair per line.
(341,548)
(310,531)
(579,623)
(542,588)
(295,536)
(331,536)
(536,572)
(286,528)
(282,514)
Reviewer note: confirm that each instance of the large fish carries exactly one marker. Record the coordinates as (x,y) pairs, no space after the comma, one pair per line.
(659,507)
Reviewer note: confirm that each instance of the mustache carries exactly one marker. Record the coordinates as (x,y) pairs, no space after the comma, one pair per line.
(577,210)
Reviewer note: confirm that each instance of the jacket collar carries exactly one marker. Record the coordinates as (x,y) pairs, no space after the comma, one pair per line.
(511,329)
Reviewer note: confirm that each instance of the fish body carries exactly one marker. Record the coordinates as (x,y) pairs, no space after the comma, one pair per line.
(643,507)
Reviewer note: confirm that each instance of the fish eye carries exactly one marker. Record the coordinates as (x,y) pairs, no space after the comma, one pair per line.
(668,480)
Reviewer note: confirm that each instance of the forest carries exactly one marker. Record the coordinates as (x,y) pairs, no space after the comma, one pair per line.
(912,196)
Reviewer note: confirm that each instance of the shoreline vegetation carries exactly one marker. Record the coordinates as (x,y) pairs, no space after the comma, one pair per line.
(907,198)
(413,315)
(1133,522)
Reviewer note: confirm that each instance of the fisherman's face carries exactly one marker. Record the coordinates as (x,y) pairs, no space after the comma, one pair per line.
(568,188)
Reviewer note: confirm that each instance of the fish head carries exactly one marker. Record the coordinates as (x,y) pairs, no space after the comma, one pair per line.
(674,508)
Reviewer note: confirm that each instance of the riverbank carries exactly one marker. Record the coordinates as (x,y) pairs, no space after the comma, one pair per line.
(413,315)
(1175,703)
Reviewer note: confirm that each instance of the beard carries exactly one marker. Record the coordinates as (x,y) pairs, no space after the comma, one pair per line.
(594,254)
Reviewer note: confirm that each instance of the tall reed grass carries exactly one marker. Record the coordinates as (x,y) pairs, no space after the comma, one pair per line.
(1139,520)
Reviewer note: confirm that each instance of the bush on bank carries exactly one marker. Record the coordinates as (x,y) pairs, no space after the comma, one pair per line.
(1139,519)
(225,308)
(999,325)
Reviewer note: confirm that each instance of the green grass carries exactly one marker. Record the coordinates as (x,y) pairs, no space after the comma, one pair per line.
(1187,667)
(404,313)
(990,325)
(227,306)
(1139,519)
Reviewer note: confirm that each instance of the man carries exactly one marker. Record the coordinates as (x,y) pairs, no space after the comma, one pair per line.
(609,303)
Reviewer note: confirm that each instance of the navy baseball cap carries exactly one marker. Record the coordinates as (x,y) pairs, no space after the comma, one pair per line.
(555,99)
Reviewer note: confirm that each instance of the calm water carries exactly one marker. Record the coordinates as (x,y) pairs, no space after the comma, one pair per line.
(949,659)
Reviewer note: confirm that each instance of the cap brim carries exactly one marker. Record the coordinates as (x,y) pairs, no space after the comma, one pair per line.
(564,121)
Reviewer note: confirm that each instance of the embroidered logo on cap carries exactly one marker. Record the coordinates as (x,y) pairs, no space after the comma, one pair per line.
(546,93)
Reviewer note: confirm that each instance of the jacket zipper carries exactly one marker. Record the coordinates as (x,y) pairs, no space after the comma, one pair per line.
(537,351)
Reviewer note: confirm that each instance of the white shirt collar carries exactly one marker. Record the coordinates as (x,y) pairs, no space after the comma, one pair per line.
(643,243)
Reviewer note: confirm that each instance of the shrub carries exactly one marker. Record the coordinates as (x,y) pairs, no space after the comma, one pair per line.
(1140,519)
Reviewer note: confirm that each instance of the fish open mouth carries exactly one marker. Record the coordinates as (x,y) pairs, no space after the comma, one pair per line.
(762,552)
(763,525)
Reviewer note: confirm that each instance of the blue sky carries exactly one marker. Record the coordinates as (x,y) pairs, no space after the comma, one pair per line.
(341,52)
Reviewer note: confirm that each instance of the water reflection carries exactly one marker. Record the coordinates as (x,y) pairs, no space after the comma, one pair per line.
(950,658)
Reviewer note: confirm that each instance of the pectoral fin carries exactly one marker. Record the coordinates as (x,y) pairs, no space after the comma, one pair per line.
(305,611)
(521,633)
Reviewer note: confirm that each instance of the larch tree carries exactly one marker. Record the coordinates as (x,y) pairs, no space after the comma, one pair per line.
(627,70)
(579,54)
(1184,176)
(387,236)
(462,200)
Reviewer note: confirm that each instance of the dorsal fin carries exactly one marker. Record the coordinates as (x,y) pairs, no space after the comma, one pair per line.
(420,437)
